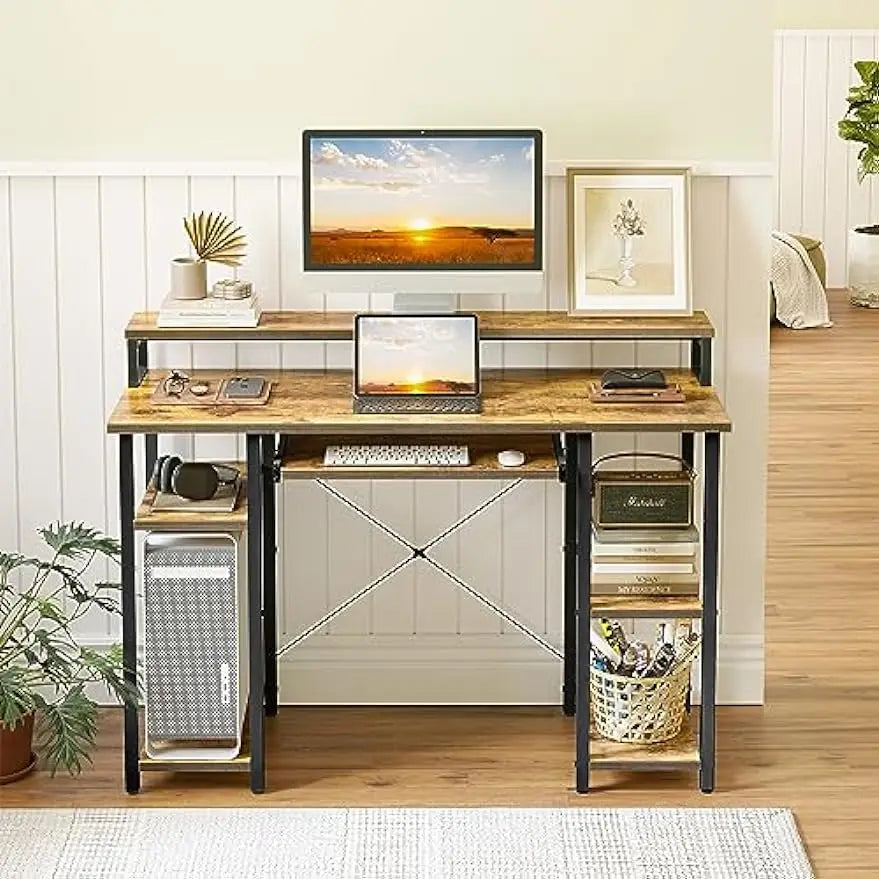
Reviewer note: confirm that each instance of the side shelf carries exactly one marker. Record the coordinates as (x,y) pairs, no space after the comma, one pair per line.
(648,606)
(196,519)
(681,752)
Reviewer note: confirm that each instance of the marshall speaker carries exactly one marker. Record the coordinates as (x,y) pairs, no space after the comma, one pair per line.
(642,498)
(195,645)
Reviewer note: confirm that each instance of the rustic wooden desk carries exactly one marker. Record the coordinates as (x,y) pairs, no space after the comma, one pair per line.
(545,412)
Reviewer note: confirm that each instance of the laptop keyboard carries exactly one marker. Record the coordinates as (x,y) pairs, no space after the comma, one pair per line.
(410,405)
(396,456)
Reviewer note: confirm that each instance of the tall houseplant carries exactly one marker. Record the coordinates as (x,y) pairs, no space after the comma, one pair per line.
(44,671)
(861,125)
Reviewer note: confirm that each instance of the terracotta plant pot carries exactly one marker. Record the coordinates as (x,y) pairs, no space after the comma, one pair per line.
(16,756)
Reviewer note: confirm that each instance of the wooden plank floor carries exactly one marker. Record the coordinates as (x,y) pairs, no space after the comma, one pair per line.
(814,747)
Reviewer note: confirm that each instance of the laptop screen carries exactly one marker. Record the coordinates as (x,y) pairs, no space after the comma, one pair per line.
(416,354)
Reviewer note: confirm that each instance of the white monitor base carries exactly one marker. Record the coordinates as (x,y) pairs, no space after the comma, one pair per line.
(425,303)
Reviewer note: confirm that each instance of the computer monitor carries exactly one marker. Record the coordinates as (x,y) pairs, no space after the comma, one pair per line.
(418,213)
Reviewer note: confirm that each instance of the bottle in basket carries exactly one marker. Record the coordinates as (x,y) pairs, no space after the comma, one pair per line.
(662,662)
(683,630)
(614,634)
(639,658)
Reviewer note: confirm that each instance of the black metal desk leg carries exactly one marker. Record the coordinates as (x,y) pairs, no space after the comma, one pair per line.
(709,612)
(269,575)
(254,615)
(700,359)
(569,686)
(151,442)
(129,613)
(584,588)
(687,448)
(138,366)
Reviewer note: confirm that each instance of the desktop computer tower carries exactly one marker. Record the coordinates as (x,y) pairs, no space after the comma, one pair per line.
(195,660)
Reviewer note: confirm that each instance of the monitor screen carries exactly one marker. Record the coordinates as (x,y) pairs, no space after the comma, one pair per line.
(416,354)
(422,200)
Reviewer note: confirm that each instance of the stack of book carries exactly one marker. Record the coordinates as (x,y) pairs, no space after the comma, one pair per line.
(210,312)
(649,561)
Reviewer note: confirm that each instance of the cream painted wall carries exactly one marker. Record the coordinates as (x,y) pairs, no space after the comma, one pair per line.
(846,14)
(221,80)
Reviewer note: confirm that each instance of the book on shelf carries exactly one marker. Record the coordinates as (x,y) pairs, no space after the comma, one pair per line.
(642,578)
(651,565)
(611,543)
(645,535)
(210,312)
(687,587)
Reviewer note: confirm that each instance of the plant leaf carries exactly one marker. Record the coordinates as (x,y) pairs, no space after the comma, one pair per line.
(66,731)
(868,71)
(75,539)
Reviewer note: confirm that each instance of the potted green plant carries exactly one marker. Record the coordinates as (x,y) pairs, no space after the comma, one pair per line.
(861,125)
(44,671)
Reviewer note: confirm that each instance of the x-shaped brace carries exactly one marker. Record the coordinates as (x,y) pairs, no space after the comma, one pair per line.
(419,552)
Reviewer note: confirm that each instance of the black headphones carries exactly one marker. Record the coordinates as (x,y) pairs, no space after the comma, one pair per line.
(194,480)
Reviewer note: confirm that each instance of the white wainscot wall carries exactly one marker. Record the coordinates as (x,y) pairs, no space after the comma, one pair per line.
(80,253)
(818,193)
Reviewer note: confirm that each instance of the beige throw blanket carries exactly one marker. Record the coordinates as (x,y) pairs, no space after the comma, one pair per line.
(800,298)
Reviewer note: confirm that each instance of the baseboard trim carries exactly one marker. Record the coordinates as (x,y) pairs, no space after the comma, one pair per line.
(489,670)
(464,670)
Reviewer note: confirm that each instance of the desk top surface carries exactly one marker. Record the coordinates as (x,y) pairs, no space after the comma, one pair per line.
(493,325)
(513,401)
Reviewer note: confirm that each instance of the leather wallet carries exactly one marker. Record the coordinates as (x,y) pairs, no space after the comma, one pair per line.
(618,379)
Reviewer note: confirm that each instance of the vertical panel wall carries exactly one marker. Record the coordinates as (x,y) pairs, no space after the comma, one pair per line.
(818,192)
(78,254)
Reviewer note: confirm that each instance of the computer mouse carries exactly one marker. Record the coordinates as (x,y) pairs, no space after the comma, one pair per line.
(510,458)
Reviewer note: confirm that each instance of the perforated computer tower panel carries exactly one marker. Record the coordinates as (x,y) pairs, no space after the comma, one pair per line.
(195,645)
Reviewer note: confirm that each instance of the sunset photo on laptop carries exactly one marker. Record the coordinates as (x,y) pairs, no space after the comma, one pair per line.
(417,355)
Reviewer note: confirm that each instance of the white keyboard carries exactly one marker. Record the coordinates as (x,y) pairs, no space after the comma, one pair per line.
(396,456)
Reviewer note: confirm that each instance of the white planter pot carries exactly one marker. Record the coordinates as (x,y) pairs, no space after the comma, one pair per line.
(189,278)
(863,266)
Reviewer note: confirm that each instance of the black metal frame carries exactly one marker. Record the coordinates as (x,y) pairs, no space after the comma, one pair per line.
(583,576)
(710,527)
(129,608)
(255,522)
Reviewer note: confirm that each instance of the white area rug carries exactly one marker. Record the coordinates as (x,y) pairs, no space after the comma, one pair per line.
(401,844)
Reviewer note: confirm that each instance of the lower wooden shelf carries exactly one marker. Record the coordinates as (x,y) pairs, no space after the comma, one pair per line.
(681,752)
(650,606)
(241,763)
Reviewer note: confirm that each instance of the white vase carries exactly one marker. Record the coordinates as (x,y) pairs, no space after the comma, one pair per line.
(863,266)
(189,278)
(627,263)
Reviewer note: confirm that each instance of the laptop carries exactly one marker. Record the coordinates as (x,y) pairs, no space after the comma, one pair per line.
(416,363)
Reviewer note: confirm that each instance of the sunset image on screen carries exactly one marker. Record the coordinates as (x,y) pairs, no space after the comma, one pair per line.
(416,355)
(422,202)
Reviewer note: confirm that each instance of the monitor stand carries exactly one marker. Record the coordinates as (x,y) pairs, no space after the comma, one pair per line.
(425,303)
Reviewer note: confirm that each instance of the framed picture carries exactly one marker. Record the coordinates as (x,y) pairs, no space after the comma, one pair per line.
(629,241)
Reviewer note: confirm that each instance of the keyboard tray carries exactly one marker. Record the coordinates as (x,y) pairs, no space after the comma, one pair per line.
(304,458)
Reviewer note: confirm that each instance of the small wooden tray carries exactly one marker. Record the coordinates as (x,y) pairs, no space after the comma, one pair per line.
(186,397)
(214,397)
(671,394)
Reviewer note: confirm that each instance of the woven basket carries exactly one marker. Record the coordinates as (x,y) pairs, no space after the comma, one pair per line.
(643,710)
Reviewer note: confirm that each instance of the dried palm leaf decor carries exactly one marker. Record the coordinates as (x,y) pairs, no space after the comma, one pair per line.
(215,238)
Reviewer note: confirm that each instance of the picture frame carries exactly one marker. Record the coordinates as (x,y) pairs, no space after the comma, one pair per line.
(629,241)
